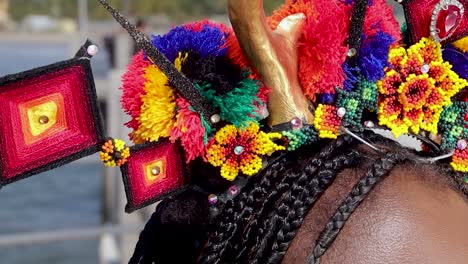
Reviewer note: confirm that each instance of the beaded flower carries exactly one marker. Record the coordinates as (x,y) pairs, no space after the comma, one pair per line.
(114,153)
(240,149)
(416,87)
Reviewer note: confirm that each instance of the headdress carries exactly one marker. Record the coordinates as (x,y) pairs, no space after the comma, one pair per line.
(202,96)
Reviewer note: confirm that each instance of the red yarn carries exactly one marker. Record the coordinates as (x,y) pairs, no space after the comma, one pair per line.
(75,133)
(139,189)
(199,25)
(323,48)
(133,88)
(380,16)
(189,130)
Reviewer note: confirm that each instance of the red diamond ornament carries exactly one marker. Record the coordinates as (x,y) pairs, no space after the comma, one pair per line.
(444,20)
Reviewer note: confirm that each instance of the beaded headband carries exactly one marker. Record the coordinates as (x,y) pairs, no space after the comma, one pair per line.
(228,101)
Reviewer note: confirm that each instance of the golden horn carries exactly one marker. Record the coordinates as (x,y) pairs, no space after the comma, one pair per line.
(274,55)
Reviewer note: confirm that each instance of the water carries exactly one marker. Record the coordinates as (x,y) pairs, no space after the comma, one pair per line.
(67,197)
(62,198)
(20,56)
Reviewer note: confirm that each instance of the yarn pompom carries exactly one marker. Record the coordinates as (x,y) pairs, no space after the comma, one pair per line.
(322,47)
(157,115)
(133,87)
(237,106)
(461,44)
(210,40)
(190,130)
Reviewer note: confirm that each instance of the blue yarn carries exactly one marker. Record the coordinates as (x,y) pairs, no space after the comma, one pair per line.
(210,41)
(458,59)
(326,98)
(350,2)
(353,75)
(373,55)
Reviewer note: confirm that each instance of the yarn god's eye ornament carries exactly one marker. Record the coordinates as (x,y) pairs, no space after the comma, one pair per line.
(40,127)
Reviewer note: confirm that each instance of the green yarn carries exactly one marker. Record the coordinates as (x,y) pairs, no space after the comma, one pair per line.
(208,129)
(238,106)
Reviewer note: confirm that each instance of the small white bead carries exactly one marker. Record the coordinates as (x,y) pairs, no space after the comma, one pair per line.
(425,68)
(215,119)
(239,150)
(462,144)
(369,124)
(341,112)
(352,52)
(92,50)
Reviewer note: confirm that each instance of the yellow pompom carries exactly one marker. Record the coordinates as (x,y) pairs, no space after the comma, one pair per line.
(157,116)
(462,44)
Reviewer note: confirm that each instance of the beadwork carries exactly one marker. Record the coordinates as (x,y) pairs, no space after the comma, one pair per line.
(255,144)
(326,121)
(413,100)
(114,153)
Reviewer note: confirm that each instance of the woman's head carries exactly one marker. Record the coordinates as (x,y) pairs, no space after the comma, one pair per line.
(317,193)
(333,69)
(339,200)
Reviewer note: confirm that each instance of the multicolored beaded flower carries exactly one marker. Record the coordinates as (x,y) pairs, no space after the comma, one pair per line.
(416,87)
(453,125)
(240,150)
(114,153)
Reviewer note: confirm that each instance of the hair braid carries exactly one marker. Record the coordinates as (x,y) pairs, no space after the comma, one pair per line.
(375,174)
(240,207)
(316,186)
(218,249)
(261,220)
(457,177)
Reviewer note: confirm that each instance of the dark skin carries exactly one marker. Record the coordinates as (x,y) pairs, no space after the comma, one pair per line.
(414,216)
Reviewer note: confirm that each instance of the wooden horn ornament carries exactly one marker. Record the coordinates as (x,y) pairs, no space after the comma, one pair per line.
(274,54)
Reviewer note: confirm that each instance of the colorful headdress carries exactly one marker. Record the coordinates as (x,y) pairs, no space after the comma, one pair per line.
(203,98)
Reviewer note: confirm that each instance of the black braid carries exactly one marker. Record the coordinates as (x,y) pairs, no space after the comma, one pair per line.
(241,206)
(376,173)
(315,187)
(220,246)
(258,224)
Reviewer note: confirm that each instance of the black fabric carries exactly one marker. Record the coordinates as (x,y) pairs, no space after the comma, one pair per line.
(175,232)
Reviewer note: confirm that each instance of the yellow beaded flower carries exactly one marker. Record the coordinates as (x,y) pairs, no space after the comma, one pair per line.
(416,87)
(114,153)
(240,150)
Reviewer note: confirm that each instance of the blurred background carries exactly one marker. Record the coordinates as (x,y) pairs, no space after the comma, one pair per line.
(75,214)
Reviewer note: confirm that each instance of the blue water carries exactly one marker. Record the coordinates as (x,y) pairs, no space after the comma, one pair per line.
(67,197)
(19,56)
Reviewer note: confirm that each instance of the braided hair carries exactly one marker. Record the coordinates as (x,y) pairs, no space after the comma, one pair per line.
(259,225)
